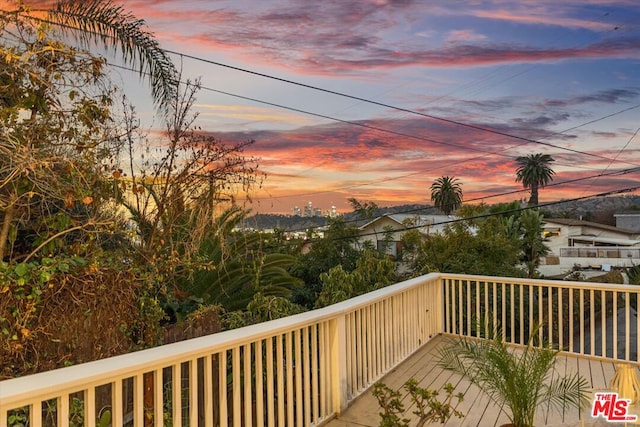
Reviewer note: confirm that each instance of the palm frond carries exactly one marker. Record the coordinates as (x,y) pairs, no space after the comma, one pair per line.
(567,392)
(239,268)
(100,21)
(519,380)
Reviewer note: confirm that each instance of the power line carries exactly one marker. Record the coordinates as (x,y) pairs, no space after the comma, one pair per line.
(542,205)
(354,123)
(506,193)
(618,154)
(349,122)
(382,104)
(481,216)
(376,128)
(624,110)
(488,76)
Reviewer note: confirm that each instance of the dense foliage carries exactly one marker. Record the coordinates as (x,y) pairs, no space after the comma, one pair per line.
(484,249)
(98,232)
(115,238)
(336,248)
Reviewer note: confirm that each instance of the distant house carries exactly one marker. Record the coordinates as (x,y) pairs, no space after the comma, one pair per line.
(386,231)
(585,244)
(629,220)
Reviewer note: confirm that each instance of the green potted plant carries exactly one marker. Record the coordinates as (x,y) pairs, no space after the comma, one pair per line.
(429,408)
(518,379)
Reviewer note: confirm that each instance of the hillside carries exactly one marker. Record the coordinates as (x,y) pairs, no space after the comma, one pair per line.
(597,210)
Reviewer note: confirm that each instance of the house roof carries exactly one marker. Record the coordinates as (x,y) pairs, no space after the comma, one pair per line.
(627,213)
(420,220)
(579,222)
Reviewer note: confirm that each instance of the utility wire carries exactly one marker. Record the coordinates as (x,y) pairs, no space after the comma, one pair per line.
(542,205)
(364,125)
(349,122)
(480,216)
(616,156)
(506,193)
(360,124)
(385,105)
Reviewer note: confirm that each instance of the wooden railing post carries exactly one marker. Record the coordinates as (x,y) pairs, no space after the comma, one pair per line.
(440,283)
(338,353)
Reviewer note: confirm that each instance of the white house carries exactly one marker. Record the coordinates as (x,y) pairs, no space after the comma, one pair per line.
(390,228)
(585,244)
(629,220)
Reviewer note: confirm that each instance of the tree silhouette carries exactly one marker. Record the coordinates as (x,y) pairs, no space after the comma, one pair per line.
(534,172)
(446,193)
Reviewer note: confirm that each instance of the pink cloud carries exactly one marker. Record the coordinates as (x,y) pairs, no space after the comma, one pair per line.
(459,36)
(541,16)
(333,163)
(338,37)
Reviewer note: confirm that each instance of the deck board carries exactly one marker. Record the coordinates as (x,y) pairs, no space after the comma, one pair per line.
(478,410)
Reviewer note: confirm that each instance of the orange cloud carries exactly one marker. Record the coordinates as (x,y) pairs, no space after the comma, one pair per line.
(329,164)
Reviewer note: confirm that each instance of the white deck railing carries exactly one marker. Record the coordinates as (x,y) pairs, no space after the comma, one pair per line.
(295,371)
(304,369)
(591,319)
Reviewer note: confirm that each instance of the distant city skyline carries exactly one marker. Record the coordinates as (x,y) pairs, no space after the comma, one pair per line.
(310,211)
(477,84)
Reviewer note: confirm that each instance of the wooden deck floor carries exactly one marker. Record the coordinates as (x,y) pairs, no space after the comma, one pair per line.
(478,410)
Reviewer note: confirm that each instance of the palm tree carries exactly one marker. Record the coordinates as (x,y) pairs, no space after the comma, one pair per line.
(101,22)
(238,268)
(516,380)
(534,171)
(446,193)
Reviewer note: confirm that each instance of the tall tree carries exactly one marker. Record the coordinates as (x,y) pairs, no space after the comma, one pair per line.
(446,193)
(534,172)
(176,189)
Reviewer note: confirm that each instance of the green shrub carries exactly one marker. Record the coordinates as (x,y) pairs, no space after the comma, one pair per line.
(429,409)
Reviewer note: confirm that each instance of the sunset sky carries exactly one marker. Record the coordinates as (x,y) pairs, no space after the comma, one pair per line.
(557,77)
